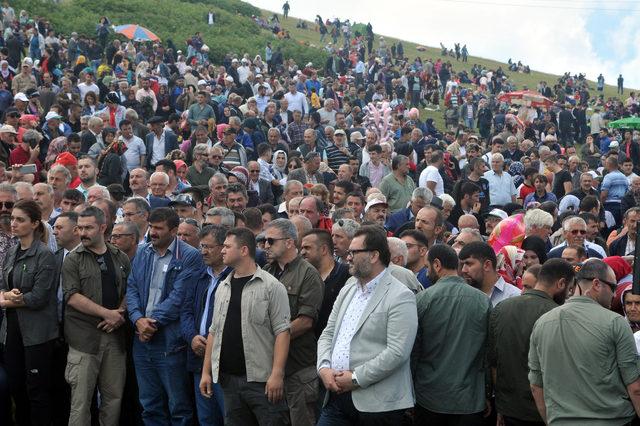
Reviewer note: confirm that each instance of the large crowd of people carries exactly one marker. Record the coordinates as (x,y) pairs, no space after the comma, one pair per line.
(190,242)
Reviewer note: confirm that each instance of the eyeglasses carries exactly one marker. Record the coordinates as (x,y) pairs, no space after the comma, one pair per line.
(118,236)
(216,156)
(270,241)
(578,231)
(6,205)
(254,171)
(413,245)
(352,253)
(611,285)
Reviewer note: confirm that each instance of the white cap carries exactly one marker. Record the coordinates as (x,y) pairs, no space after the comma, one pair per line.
(51,115)
(21,97)
(614,144)
(229,78)
(375,202)
(498,213)
(202,83)
(234,60)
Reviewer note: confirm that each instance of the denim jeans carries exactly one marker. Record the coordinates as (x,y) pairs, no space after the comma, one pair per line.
(340,411)
(163,381)
(210,410)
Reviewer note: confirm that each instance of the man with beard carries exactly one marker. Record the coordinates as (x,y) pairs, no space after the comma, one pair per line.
(363,353)
(510,326)
(479,269)
(304,287)
(317,249)
(593,376)
(87,174)
(376,211)
(450,381)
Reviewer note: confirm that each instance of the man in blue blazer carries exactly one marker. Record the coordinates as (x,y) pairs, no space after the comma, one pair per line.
(195,319)
(162,271)
(159,142)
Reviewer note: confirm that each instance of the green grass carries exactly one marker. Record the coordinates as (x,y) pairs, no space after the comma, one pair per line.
(235,32)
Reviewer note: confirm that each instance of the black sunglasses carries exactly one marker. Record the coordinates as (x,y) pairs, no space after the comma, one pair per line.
(351,253)
(102,263)
(271,241)
(8,205)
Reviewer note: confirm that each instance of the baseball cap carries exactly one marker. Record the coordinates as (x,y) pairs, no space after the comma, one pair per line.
(356,136)
(183,200)
(340,132)
(52,115)
(375,202)
(202,83)
(66,159)
(501,214)
(614,144)
(8,129)
(21,97)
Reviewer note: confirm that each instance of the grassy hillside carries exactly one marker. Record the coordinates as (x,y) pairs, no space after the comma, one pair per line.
(234,31)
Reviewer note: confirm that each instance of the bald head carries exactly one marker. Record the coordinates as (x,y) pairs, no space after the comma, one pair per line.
(468,221)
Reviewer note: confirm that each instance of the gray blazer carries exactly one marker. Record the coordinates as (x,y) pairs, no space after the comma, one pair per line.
(301,176)
(381,346)
(33,275)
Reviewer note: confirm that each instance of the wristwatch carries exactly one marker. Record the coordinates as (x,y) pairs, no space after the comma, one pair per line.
(354,380)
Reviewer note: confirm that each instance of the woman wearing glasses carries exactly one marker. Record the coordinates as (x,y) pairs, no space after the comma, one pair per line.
(28,293)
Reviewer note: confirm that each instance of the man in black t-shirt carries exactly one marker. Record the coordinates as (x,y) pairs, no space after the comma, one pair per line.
(94,278)
(562,181)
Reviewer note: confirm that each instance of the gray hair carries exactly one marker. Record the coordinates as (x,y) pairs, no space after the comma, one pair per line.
(286,227)
(228,219)
(538,218)
(398,247)
(7,188)
(23,186)
(93,121)
(274,130)
(341,213)
(497,156)
(141,203)
(60,169)
(165,177)
(290,183)
(234,120)
(349,226)
(131,228)
(45,185)
(572,220)
(447,199)
(421,193)
(200,149)
(220,177)
(303,223)
(474,232)
(106,195)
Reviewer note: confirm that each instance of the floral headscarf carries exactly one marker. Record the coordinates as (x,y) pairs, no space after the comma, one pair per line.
(510,264)
(56,147)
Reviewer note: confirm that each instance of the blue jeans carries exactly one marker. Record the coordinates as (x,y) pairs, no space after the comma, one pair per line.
(340,411)
(163,382)
(210,410)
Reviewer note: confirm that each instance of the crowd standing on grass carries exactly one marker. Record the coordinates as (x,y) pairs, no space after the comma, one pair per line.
(191,242)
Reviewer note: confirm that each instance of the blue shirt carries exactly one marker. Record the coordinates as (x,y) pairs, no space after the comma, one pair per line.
(423,277)
(213,285)
(160,268)
(616,184)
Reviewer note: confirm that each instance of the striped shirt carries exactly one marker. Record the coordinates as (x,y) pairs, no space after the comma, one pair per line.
(335,157)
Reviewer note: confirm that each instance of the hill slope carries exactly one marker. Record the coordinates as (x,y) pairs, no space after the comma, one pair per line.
(234,31)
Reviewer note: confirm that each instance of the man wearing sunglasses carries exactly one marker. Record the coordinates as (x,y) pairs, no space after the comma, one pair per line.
(305,288)
(593,376)
(575,234)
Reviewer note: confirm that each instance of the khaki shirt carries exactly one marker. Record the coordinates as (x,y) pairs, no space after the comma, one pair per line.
(265,314)
(81,274)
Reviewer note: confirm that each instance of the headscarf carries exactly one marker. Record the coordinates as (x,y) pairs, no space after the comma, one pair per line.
(242,174)
(516,170)
(617,305)
(536,245)
(56,147)
(279,171)
(81,60)
(509,263)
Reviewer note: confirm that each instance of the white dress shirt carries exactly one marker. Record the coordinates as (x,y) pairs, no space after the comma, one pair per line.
(341,350)
(503,290)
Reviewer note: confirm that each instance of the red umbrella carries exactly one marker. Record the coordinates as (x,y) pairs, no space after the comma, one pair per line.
(527,98)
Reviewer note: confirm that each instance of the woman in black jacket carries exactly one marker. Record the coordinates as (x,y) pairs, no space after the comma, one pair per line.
(110,166)
(28,289)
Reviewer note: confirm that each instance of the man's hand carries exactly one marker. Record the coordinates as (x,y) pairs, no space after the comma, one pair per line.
(343,380)
(206,385)
(35,152)
(199,344)
(477,207)
(112,320)
(327,375)
(274,389)
(146,327)
(12,296)
(500,420)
